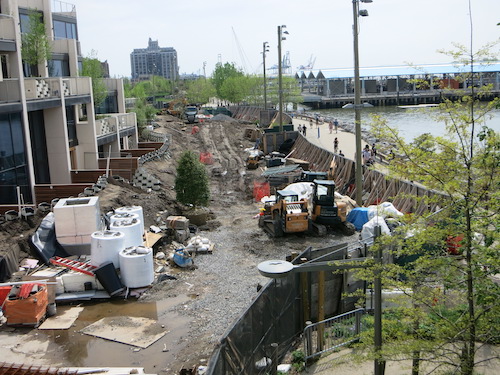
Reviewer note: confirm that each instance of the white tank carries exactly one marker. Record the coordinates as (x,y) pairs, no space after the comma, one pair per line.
(131,228)
(122,216)
(105,246)
(136,266)
(132,210)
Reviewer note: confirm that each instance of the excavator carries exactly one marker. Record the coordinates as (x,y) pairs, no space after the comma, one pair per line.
(326,211)
(287,215)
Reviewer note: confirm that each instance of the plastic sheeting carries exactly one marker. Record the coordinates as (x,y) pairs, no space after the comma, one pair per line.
(358,217)
(368,231)
(384,209)
(44,242)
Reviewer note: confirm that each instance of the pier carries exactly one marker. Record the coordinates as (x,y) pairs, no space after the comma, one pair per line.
(395,85)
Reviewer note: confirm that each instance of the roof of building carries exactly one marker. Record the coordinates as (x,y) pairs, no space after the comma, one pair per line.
(402,70)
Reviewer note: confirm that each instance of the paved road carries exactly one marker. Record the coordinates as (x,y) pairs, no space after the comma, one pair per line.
(320,135)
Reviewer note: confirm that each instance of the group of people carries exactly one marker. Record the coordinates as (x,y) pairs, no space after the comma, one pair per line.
(369,155)
(333,124)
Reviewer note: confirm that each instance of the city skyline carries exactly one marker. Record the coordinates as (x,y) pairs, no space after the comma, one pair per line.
(397,32)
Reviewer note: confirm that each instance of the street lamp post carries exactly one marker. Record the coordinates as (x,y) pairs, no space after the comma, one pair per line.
(265,48)
(357,100)
(280,84)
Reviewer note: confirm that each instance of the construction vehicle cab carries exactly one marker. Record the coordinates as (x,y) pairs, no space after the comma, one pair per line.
(287,215)
(326,211)
(310,176)
(190,113)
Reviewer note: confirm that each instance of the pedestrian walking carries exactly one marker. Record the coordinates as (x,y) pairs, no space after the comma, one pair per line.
(335,145)
(341,153)
(300,129)
(330,126)
(336,124)
(366,155)
(310,123)
(374,152)
(304,130)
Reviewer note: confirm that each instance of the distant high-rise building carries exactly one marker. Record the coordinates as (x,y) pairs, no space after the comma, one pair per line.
(146,62)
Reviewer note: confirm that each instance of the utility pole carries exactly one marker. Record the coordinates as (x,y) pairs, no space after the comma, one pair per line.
(280,83)
(357,107)
(265,48)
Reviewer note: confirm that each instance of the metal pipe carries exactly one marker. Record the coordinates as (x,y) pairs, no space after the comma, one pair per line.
(357,108)
(264,50)
(280,93)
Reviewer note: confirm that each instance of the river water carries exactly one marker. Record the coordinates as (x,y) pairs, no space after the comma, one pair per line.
(410,122)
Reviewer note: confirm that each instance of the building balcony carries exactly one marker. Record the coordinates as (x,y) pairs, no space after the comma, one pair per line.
(115,122)
(10,91)
(65,46)
(7,29)
(48,88)
(64,9)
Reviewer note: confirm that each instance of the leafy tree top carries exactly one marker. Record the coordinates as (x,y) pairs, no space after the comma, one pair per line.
(36,48)
(191,182)
(92,67)
(221,74)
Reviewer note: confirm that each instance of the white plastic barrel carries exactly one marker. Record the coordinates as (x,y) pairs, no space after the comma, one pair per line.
(123,216)
(131,228)
(132,210)
(105,246)
(136,266)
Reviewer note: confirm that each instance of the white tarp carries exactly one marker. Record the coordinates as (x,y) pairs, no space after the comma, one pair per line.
(384,209)
(368,230)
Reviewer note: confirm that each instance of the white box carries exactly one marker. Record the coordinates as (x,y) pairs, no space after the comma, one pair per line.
(76,219)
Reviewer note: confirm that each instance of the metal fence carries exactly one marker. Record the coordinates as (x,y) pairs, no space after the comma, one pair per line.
(267,330)
(333,333)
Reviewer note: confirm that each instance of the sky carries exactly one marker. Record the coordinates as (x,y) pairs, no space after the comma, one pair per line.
(204,32)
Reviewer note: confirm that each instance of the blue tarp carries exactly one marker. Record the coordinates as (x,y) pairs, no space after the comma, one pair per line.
(358,216)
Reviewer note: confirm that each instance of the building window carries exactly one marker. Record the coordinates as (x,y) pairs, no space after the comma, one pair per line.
(71,125)
(13,166)
(58,68)
(64,30)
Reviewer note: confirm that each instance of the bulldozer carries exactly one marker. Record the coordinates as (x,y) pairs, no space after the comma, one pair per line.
(326,211)
(287,215)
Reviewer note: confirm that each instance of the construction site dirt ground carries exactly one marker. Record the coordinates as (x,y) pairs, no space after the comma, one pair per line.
(196,308)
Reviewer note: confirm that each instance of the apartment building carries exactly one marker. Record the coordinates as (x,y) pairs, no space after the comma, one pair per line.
(49,136)
(154,60)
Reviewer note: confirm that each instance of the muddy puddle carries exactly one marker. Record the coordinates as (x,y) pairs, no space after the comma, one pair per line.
(71,348)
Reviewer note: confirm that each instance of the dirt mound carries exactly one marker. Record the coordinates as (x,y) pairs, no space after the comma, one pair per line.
(224,118)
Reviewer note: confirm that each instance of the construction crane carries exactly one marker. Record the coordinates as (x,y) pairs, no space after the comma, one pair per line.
(309,65)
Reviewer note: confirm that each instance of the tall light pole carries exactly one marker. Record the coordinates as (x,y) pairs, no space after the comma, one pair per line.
(265,48)
(357,100)
(280,84)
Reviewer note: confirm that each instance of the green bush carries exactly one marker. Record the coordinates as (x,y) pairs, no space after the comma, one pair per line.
(191,183)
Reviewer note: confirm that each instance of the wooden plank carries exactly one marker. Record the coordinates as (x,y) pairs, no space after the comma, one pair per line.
(45,193)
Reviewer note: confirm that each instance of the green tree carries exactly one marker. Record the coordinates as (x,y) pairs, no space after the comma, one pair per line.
(191,182)
(235,89)
(200,91)
(91,67)
(221,74)
(291,91)
(447,260)
(35,48)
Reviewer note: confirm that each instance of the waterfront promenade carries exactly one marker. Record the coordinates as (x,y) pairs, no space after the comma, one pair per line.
(347,141)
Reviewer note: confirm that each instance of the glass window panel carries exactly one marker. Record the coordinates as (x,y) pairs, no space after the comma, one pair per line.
(18,139)
(55,68)
(6,151)
(25,23)
(59,30)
